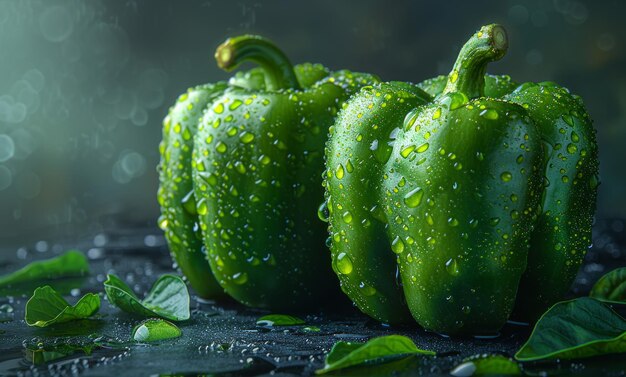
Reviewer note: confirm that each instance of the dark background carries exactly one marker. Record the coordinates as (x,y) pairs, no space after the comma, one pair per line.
(84,84)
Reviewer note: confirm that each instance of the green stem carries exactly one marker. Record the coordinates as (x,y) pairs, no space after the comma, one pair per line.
(279,72)
(468,75)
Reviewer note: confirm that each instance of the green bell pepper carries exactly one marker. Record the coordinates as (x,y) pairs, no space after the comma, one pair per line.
(477,186)
(179,219)
(256,166)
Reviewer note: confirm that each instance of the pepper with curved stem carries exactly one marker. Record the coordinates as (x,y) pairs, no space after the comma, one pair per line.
(439,177)
(257,163)
(279,73)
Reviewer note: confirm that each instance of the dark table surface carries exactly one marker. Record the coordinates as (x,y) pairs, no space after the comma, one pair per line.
(222,339)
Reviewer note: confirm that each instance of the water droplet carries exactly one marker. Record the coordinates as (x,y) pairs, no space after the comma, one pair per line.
(568,119)
(423,148)
(414,197)
(437,114)
(490,114)
(410,119)
(494,221)
(506,176)
(406,151)
(219,108)
(203,209)
(339,171)
(565,179)
(322,212)
(349,167)
(240,278)
(344,264)
(367,290)
(246,137)
(453,222)
(263,159)
(454,75)
(347,217)
(571,148)
(189,203)
(236,103)
(397,246)
(452,267)
(220,147)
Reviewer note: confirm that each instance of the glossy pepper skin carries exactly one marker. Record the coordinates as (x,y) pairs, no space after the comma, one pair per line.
(179,219)
(447,193)
(562,231)
(257,165)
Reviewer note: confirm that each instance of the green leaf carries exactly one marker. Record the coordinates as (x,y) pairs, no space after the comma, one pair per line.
(346,354)
(611,287)
(168,298)
(487,365)
(575,329)
(47,307)
(70,264)
(279,320)
(153,330)
(44,353)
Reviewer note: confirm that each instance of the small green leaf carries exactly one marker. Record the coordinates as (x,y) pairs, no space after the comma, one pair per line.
(168,298)
(346,354)
(487,365)
(611,287)
(279,320)
(575,329)
(152,330)
(70,264)
(47,307)
(44,353)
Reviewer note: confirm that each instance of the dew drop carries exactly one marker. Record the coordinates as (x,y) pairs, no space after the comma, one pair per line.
(397,246)
(246,137)
(568,119)
(452,267)
(571,148)
(203,209)
(322,212)
(344,264)
(406,151)
(236,103)
(437,114)
(349,167)
(240,278)
(220,147)
(490,114)
(414,197)
(423,148)
(339,173)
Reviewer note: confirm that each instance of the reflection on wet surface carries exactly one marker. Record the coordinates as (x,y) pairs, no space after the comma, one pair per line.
(222,338)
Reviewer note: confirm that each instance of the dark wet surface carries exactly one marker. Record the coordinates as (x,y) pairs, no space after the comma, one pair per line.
(222,339)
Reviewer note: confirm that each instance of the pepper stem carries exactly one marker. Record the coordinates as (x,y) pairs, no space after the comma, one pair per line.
(279,72)
(489,44)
